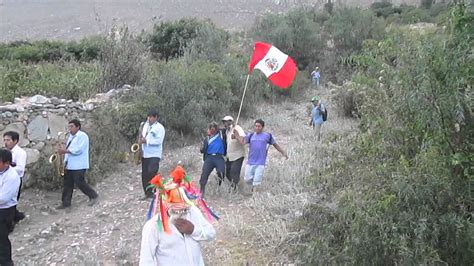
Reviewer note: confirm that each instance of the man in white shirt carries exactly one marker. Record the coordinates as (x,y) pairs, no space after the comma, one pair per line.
(235,151)
(10,140)
(9,186)
(173,235)
(152,136)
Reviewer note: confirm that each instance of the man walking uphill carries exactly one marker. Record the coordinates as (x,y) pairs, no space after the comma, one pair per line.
(235,151)
(214,148)
(317,116)
(259,142)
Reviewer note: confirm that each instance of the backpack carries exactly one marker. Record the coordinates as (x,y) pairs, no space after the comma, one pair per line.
(325,114)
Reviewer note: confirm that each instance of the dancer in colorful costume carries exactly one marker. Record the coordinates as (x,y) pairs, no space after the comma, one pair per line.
(176,222)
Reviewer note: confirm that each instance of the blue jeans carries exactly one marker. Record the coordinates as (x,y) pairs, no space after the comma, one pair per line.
(316,82)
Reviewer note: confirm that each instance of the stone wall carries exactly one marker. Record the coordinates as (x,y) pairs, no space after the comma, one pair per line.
(42,122)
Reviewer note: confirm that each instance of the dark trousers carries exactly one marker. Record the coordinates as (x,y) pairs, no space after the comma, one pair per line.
(19,214)
(212,162)
(6,226)
(19,189)
(150,167)
(72,177)
(232,171)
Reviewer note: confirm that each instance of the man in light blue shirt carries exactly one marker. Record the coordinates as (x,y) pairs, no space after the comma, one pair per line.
(76,161)
(317,116)
(151,139)
(315,76)
(9,186)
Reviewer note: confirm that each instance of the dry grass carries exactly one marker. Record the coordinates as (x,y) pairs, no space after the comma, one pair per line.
(254,229)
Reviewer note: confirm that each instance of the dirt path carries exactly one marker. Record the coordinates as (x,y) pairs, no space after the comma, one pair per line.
(250,227)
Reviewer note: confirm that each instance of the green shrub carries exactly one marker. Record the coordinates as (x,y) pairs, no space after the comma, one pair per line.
(404,191)
(295,33)
(384,9)
(210,43)
(350,27)
(169,39)
(34,52)
(186,96)
(426,4)
(70,80)
(87,49)
(415,15)
(122,60)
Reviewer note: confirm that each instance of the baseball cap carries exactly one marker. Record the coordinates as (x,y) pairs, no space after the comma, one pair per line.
(315,98)
(228,118)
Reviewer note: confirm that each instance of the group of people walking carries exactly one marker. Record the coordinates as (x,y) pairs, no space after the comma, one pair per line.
(223,150)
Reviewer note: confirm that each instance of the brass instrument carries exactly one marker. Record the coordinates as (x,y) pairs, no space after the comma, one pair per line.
(136,148)
(56,159)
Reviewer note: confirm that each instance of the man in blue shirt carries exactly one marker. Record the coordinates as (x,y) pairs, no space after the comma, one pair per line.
(317,116)
(151,139)
(315,76)
(9,187)
(76,161)
(214,149)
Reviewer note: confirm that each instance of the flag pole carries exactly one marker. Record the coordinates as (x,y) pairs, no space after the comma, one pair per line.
(242,101)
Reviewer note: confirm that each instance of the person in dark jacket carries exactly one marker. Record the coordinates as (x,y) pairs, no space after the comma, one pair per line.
(214,151)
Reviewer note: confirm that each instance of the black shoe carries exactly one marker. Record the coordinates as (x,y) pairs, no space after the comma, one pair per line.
(93,201)
(18,216)
(62,207)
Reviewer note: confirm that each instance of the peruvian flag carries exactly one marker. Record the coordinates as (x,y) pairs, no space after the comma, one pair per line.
(278,67)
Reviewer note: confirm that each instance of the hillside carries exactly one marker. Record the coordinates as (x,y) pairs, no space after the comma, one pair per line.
(70,19)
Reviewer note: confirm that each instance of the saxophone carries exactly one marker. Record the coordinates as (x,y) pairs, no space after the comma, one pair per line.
(136,148)
(56,159)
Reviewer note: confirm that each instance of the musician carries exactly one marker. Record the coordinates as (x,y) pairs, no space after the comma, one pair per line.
(76,161)
(151,139)
(9,186)
(10,140)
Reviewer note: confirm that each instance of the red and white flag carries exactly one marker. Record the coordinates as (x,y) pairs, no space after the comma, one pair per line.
(278,67)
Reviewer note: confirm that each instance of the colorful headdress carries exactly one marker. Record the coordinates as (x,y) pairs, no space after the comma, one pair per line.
(177,191)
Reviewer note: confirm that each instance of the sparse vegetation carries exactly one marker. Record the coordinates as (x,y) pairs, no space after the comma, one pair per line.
(406,198)
(391,182)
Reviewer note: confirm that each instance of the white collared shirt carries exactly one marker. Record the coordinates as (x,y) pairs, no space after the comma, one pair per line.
(159,248)
(19,158)
(9,186)
(154,135)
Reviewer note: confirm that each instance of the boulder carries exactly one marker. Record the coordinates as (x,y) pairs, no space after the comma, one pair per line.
(56,123)
(32,156)
(38,99)
(38,128)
